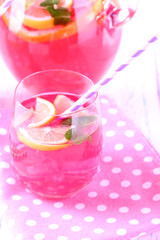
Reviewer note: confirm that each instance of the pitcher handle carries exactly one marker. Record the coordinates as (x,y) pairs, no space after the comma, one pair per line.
(118,15)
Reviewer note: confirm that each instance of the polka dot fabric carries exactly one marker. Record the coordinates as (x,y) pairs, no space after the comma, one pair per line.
(123,201)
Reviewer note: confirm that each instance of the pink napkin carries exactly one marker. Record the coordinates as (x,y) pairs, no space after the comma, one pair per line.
(123,201)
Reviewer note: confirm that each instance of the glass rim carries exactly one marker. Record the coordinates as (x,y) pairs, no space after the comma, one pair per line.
(81,109)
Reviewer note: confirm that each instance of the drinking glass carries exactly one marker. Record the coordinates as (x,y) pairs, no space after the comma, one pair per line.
(78,35)
(54,154)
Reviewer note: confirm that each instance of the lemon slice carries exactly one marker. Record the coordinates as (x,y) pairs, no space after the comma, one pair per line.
(38,25)
(44,138)
(44,113)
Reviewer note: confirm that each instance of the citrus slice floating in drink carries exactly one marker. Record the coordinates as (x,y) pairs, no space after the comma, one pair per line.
(62,103)
(38,25)
(38,17)
(44,113)
(44,138)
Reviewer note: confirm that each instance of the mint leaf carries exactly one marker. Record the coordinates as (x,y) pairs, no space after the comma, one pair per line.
(68,134)
(67,121)
(61,15)
(59,12)
(49,3)
(71,135)
(81,121)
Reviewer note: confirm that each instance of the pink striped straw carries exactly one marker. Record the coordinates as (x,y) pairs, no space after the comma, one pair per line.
(79,103)
(5,5)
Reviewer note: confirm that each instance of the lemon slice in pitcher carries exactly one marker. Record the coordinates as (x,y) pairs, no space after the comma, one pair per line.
(38,25)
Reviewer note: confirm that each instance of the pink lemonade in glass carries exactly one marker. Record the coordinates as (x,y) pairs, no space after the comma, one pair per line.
(81,40)
(55,155)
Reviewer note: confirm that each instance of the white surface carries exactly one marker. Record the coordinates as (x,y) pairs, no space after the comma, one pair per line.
(135,89)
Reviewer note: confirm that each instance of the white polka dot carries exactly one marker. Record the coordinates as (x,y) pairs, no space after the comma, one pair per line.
(110,133)
(11,223)
(138,146)
(3,131)
(53,226)
(148,159)
(101,208)
(92,194)
(23,209)
(62,238)
(31,223)
(11,181)
(7,149)
(147,185)
(37,201)
(104,183)
(111,220)
(125,183)
(89,219)
(156,171)
(156,197)
(3,208)
(0,115)
(104,121)
(45,214)
(121,123)
(137,172)
(58,205)
(155,221)
(112,110)
(75,228)
(4,164)
(127,159)
(135,197)
(80,206)
(129,133)
(118,146)
(116,170)
(133,222)
(39,236)
(121,231)
(19,236)
(67,217)
(145,210)
(107,159)
(103,100)
(113,195)
(98,230)
(123,209)
(16,197)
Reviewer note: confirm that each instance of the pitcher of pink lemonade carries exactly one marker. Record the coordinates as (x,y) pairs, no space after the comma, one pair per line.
(78,35)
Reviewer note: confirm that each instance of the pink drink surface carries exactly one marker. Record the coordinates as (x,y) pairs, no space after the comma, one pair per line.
(58,173)
(90,51)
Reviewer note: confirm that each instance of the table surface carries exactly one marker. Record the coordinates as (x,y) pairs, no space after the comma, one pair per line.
(136,91)
(128,179)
